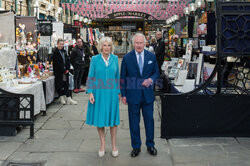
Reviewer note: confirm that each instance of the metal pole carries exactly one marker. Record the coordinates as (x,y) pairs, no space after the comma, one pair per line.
(16,7)
(29,9)
(21,8)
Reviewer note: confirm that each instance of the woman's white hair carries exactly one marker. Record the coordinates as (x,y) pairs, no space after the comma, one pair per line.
(102,41)
(136,35)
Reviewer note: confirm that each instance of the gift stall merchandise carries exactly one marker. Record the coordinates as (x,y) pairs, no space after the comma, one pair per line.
(7,66)
(30,68)
(7,52)
(26,40)
(191,46)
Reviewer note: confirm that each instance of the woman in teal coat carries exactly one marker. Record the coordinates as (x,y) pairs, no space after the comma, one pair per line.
(104,94)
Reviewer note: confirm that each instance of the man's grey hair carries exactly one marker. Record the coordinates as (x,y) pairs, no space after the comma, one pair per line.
(138,34)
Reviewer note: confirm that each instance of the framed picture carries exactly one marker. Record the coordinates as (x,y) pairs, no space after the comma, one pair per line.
(189,49)
(202,43)
(181,77)
(185,40)
(192,70)
(199,70)
(196,43)
(181,63)
(173,72)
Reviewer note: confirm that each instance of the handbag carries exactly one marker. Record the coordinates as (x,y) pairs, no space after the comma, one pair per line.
(71,81)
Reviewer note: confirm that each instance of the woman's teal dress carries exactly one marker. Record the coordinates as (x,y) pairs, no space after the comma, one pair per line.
(103,82)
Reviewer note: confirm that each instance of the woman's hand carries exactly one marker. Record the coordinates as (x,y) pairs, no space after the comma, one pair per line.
(91,98)
(119,97)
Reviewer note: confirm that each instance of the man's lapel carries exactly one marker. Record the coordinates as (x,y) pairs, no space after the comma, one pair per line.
(146,59)
(135,61)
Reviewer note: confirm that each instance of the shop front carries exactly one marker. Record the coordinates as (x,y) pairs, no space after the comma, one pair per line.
(121,31)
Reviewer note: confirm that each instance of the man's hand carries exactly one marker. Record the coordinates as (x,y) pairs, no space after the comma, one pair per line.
(124,100)
(147,82)
(91,98)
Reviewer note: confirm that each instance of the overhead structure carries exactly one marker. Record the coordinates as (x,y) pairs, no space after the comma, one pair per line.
(158,9)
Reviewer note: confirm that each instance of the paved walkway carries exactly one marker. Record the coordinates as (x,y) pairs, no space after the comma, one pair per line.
(63,139)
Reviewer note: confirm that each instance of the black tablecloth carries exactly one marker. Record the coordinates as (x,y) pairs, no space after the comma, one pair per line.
(204,115)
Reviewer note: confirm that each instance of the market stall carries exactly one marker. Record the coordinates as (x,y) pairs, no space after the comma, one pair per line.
(21,71)
(36,89)
(26,40)
(49,89)
(208,99)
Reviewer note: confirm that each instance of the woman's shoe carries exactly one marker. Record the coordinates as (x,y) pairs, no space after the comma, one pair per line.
(115,153)
(62,100)
(101,153)
(70,101)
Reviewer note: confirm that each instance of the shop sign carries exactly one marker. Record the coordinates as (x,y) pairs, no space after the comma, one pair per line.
(129,13)
(128,26)
(115,28)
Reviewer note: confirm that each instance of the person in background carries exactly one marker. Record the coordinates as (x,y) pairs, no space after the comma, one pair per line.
(87,57)
(61,66)
(94,48)
(160,49)
(148,47)
(153,42)
(104,94)
(148,38)
(79,59)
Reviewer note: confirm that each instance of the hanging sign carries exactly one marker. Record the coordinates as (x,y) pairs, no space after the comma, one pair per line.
(129,13)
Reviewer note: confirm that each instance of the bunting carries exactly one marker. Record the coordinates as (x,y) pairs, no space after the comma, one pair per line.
(152,7)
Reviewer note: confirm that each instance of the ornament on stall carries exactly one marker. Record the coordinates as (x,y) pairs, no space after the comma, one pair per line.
(20,67)
(22,53)
(41,66)
(30,46)
(37,71)
(26,70)
(175,38)
(38,38)
(171,31)
(18,33)
(29,69)
(29,37)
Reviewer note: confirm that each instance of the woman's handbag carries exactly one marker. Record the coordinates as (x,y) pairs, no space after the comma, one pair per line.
(71,81)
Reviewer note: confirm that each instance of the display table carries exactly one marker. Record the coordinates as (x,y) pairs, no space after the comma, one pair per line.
(205,115)
(49,89)
(35,89)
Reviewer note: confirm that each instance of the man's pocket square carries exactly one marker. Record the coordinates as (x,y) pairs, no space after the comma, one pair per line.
(149,62)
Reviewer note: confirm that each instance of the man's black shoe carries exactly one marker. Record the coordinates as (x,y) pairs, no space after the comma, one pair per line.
(152,151)
(135,152)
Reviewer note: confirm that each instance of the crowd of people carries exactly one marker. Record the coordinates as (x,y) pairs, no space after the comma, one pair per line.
(106,85)
(63,61)
(156,45)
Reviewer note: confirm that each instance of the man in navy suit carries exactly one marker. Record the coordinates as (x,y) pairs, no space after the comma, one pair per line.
(139,71)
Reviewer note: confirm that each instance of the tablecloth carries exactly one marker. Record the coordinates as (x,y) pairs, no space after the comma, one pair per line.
(35,89)
(50,92)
